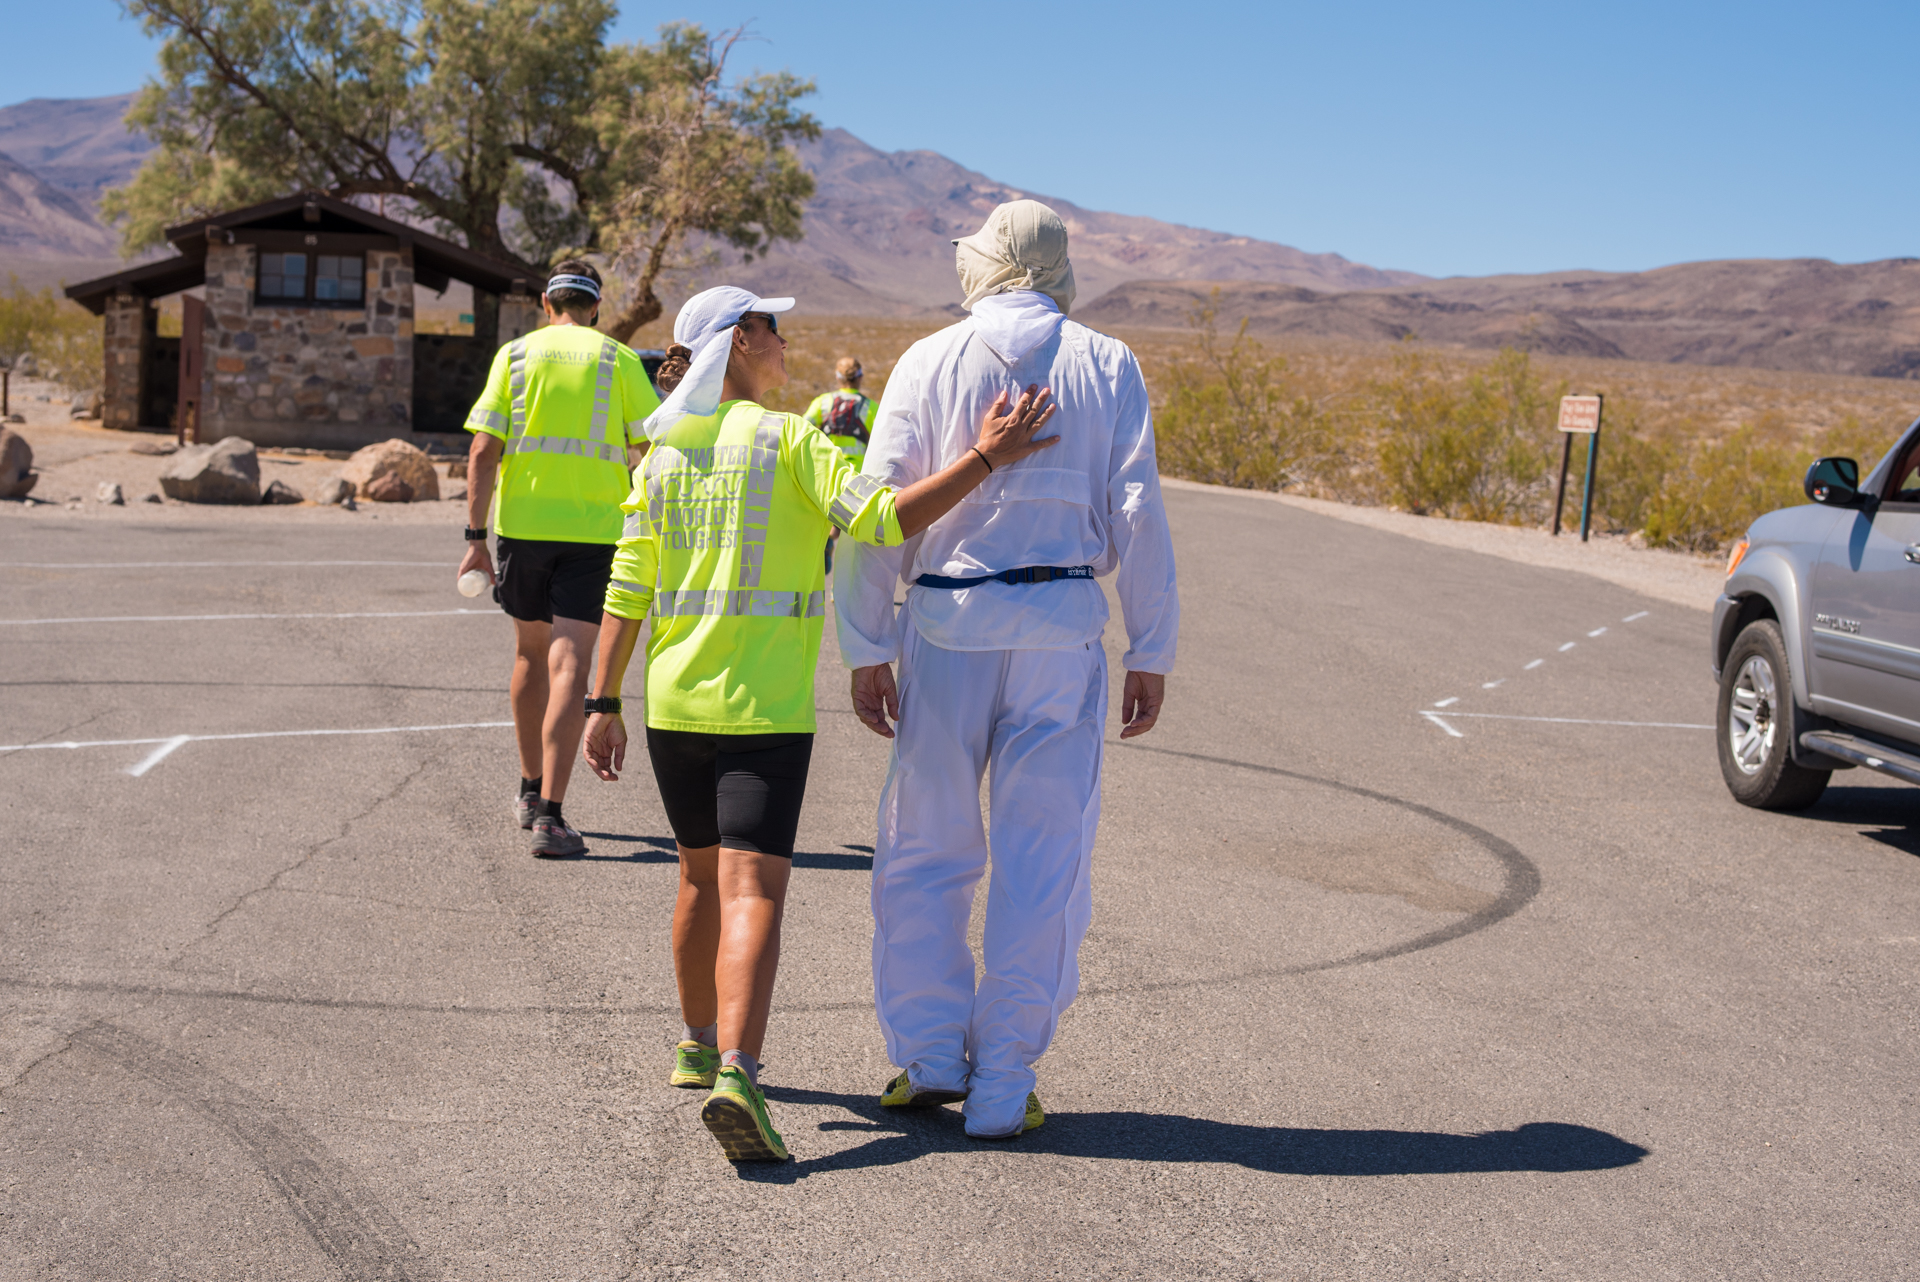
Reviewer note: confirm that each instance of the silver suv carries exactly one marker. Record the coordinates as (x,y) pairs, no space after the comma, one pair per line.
(1816,636)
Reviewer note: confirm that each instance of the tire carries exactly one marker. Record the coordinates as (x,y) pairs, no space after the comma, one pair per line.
(1756,725)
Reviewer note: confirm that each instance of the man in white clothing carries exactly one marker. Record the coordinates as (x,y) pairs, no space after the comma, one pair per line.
(1002,669)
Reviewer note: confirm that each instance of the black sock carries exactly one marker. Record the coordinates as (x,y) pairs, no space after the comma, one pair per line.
(544,809)
(530,787)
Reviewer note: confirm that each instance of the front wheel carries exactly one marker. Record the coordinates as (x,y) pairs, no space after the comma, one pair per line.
(1755,727)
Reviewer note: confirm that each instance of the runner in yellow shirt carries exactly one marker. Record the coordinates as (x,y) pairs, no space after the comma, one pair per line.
(846,416)
(558,427)
(722,552)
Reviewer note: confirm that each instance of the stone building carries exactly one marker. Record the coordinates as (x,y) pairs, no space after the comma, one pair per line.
(306,332)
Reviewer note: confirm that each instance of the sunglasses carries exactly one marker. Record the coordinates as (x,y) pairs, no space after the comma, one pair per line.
(773,326)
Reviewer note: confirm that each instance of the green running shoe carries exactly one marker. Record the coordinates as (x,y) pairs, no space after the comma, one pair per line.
(736,1113)
(900,1094)
(1035,1118)
(694,1065)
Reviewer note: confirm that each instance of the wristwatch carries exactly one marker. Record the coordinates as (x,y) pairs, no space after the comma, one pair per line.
(605,703)
(476,536)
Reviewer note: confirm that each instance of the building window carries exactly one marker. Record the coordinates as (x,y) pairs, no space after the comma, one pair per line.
(329,280)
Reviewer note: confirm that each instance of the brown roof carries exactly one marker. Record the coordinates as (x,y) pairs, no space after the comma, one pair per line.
(435,259)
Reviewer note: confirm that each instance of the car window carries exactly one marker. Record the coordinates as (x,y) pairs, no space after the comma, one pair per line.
(1903,486)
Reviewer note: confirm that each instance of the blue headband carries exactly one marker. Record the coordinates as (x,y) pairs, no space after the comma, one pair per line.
(585,284)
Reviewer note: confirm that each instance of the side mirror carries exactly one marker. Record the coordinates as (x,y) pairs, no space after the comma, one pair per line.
(1834,482)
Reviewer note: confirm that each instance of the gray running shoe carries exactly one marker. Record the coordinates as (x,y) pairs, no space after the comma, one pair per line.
(523,808)
(553,839)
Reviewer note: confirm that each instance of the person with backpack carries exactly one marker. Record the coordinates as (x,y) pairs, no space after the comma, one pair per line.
(846,416)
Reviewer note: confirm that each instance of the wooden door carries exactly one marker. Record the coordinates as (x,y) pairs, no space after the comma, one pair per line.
(193,361)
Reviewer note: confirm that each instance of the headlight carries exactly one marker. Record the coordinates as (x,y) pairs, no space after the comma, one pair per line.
(1736,556)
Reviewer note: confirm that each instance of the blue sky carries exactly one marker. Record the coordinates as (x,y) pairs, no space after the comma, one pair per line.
(1445,139)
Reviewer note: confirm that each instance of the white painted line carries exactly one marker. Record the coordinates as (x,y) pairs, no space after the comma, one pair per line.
(1596,632)
(1448,702)
(1579,721)
(1488,685)
(1568,646)
(1631,617)
(176,740)
(157,756)
(1435,718)
(184,565)
(1531,666)
(215,618)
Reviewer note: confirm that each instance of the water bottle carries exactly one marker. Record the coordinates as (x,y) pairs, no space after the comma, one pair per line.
(473,583)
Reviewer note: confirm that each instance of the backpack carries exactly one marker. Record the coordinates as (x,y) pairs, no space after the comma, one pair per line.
(847,416)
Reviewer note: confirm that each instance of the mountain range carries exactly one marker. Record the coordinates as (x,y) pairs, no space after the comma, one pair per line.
(877,243)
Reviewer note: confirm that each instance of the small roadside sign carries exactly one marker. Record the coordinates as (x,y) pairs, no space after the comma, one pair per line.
(1580,414)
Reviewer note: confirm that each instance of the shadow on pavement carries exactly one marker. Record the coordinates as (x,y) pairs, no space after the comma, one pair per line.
(1889,815)
(1157,1137)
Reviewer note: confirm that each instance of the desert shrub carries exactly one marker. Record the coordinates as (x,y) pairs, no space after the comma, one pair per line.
(66,342)
(1478,448)
(1722,487)
(1232,415)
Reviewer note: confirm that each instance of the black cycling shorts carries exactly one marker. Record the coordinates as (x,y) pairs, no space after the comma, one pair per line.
(541,579)
(741,791)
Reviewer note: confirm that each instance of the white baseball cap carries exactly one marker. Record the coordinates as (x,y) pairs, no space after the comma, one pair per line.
(705,324)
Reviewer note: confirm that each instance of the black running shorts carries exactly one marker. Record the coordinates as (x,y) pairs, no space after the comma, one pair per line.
(741,791)
(541,579)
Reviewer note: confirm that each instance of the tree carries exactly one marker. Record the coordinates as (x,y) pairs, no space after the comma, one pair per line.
(510,124)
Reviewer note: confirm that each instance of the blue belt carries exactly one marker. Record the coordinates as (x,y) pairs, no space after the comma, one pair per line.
(1026,574)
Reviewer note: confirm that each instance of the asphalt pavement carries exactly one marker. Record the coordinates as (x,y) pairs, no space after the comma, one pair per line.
(1427,943)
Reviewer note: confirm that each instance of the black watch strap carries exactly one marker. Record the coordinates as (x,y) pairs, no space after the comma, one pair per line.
(605,703)
(476,536)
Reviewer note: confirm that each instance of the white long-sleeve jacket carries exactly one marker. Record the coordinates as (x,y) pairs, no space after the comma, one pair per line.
(1092,499)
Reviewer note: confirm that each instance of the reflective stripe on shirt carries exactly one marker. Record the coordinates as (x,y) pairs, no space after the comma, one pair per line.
(738,602)
(759,498)
(565,445)
(847,504)
(602,392)
(493,419)
(517,382)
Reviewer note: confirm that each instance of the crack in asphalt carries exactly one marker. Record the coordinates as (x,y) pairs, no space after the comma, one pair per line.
(272,883)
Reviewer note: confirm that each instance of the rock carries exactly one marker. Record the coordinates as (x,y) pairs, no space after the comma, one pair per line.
(159,449)
(150,498)
(333,490)
(388,487)
(16,465)
(456,493)
(457,470)
(109,492)
(85,405)
(16,418)
(281,492)
(227,472)
(392,458)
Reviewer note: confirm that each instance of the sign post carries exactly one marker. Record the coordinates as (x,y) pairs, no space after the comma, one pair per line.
(1579,415)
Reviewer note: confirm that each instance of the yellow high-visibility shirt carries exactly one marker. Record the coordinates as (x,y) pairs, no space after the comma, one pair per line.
(566,400)
(724,546)
(846,416)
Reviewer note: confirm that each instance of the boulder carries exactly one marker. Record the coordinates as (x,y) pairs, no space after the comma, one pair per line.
(85,405)
(16,465)
(392,458)
(109,492)
(160,448)
(281,492)
(151,498)
(388,487)
(333,490)
(227,472)
(457,470)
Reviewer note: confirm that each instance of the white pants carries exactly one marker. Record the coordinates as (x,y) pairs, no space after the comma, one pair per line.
(1036,717)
